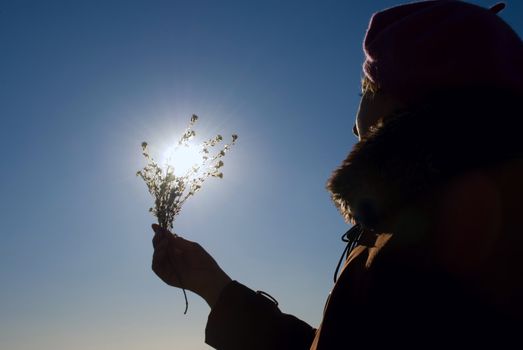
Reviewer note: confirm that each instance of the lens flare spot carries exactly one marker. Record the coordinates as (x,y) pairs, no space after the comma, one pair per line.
(181,158)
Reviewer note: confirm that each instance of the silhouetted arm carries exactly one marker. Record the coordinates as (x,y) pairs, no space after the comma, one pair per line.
(243,319)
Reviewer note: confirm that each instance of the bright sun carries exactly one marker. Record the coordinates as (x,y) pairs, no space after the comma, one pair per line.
(182,158)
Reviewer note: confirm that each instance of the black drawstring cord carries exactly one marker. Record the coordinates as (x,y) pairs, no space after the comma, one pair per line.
(351,237)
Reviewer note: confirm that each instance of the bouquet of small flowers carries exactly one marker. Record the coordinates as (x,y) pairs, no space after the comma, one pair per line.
(170,188)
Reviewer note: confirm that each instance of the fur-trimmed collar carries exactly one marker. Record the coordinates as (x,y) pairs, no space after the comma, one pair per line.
(409,154)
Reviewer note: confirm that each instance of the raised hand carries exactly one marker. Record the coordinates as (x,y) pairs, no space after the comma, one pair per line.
(184,264)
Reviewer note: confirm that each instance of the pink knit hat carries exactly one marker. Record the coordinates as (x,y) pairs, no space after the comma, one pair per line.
(414,49)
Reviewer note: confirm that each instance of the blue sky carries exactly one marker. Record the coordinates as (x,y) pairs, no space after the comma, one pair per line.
(83,83)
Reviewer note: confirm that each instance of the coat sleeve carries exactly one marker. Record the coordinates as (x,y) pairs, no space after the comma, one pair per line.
(243,319)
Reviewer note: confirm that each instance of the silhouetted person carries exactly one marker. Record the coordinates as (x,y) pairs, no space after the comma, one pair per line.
(434,188)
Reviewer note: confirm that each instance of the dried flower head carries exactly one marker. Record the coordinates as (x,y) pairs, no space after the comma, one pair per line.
(170,190)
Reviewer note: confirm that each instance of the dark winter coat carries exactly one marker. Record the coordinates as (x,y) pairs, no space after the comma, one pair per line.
(439,278)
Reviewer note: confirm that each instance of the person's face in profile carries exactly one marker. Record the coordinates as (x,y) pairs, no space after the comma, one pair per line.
(353,185)
(373,107)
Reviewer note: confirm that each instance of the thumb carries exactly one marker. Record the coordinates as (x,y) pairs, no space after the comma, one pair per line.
(160,234)
(159,230)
